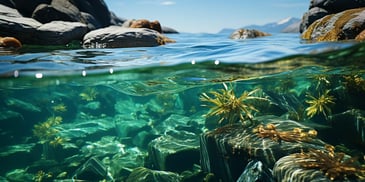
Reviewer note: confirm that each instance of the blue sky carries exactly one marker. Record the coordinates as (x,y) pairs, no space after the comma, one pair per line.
(208,16)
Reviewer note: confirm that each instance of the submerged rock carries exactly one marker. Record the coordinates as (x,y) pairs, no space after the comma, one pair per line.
(318,165)
(287,168)
(19,175)
(120,37)
(247,34)
(93,170)
(142,174)
(341,26)
(227,150)
(256,171)
(349,128)
(175,151)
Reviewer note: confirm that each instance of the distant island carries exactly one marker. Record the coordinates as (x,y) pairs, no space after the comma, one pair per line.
(287,25)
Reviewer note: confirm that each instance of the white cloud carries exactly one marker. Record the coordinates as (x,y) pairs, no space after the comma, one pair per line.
(168,3)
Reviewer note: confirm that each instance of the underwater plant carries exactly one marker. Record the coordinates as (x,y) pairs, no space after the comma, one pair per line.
(319,105)
(57,141)
(229,107)
(59,108)
(41,176)
(89,94)
(296,135)
(335,165)
(45,131)
(354,84)
(322,80)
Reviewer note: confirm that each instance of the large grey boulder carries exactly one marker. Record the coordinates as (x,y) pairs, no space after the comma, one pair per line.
(58,10)
(30,31)
(99,11)
(12,24)
(118,37)
(60,32)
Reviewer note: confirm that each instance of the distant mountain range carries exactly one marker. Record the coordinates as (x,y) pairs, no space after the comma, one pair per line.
(287,25)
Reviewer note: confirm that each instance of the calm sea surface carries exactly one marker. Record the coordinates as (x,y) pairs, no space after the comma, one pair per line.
(62,105)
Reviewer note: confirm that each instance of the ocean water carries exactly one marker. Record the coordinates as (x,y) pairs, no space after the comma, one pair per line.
(62,105)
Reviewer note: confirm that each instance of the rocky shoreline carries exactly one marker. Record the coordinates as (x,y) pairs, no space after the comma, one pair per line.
(57,22)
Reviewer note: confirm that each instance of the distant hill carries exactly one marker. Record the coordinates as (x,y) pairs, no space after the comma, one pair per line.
(287,25)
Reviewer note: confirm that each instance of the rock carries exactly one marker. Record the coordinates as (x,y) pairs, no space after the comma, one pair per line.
(142,174)
(349,127)
(360,36)
(19,152)
(29,21)
(26,8)
(287,168)
(321,8)
(121,165)
(93,170)
(143,23)
(256,171)
(106,146)
(115,20)
(247,34)
(175,151)
(10,42)
(168,30)
(59,33)
(341,26)
(309,17)
(58,10)
(99,11)
(319,165)
(119,37)
(30,31)
(227,150)
(14,25)
(19,175)
(8,3)
(9,11)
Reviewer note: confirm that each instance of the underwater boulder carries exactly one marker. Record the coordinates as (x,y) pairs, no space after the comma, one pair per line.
(175,151)
(319,165)
(349,127)
(227,150)
(142,174)
(256,171)
(92,170)
(287,169)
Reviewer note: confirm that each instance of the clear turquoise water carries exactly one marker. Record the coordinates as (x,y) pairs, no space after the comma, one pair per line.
(98,93)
